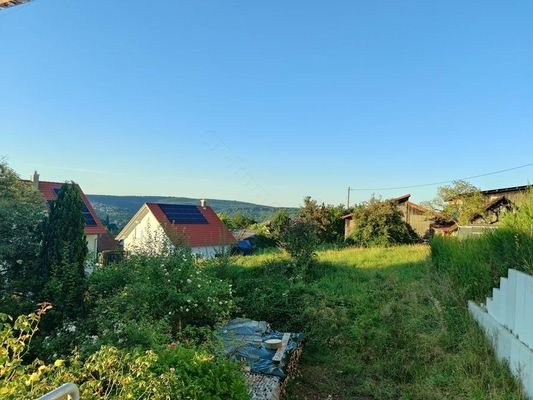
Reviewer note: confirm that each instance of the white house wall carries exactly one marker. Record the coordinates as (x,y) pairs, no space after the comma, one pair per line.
(210,251)
(146,231)
(92,244)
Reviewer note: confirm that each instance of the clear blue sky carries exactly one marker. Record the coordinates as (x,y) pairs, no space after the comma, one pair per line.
(267,101)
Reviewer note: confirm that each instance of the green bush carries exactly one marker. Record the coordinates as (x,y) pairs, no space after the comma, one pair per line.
(22,212)
(110,373)
(143,300)
(300,241)
(380,223)
(476,264)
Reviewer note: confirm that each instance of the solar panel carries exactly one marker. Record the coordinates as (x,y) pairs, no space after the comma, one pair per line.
(89,220)
(183,214)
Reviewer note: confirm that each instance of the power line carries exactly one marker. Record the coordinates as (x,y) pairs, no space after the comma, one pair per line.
(441,182)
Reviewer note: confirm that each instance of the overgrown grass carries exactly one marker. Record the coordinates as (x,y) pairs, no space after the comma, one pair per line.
(476,264)
(380,324)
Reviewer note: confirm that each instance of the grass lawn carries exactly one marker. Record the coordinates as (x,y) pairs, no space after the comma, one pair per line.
(380,324)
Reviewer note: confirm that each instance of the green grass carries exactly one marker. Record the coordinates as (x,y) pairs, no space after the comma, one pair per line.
(380,323)
(476,264)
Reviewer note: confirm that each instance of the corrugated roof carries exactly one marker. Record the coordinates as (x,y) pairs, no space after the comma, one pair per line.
(213,233)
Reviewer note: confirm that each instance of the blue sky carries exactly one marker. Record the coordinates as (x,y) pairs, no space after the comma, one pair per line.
(267,101)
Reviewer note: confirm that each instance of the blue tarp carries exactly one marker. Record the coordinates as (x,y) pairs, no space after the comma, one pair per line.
(245,247)
(244,341)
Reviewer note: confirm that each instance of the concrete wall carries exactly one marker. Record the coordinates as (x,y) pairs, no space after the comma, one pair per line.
(507,320)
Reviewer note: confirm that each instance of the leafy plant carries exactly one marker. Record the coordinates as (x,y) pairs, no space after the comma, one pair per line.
(161,295)
(110,373)
(299,240)
(380,223)
(21,214)
(461,202)
(325,218)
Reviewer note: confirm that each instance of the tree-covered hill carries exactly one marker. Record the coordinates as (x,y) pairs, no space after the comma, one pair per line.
(121,208)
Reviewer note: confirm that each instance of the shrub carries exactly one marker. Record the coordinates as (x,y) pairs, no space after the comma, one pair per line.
(299,240)
(143,300)
(380,223)
(21,214)
(326,220)
(521,220)
(476,264)
(111,373)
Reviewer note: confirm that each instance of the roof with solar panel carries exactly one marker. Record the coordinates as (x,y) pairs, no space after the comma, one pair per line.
(198,226)
(93,225)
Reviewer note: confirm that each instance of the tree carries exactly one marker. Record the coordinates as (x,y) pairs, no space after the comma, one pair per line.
(299,239)
(326,219)
(279,223)
(21,214)
(380,223)
(64,251)
(241,221)
(227,220)
(461,202)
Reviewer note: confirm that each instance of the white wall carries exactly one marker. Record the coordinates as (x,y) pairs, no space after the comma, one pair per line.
(507,320)
(210,251)
(147,231)
(92,244)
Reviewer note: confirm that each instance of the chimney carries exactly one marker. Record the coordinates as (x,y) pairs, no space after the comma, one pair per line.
(35,180)
(203,203)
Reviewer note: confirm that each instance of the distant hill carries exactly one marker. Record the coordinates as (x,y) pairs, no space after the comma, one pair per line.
(121,208)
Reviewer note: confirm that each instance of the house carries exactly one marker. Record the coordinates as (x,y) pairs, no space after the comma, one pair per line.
(97,236)
(156,225)
(514,194)
(420,218)
(497,203)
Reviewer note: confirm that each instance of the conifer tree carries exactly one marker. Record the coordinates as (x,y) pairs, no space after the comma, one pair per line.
(64,250)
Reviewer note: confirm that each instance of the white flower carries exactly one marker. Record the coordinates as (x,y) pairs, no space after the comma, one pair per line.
(187,309)
(188,300)
(199,285)
(189,281)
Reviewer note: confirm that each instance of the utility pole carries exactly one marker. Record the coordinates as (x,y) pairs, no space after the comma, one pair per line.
(348,202)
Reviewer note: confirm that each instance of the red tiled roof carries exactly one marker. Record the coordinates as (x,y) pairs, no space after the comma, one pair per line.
(214,233)
(47,192)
